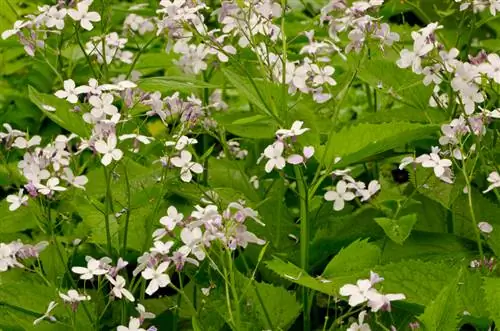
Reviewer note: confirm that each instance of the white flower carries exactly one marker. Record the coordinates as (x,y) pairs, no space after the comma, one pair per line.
(133,325)
(55,18)
(182,142)
(274,154)
(184,162)
(254,180)
(108,149)
(361,326)
(47,315)
(119,289)
(82,14)
(373,188)
(102,104)
(433,160)
(409,59)
(11,133)
(485,227)
(377,301)
(494,179)
(295,130)
(18,25)
(78,181)
(406,161)
(138,137)
(17,200)
(193,241)
(161,247)
(356,293)
(172,219)
(49,187)
(70,92)
(73,297)
(143,314)
(22,143)
(157,277)
(93,269)
(339,195)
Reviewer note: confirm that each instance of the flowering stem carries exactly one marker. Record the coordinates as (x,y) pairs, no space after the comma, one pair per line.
(304,241)
(138,55)
(472,214)
(84,53)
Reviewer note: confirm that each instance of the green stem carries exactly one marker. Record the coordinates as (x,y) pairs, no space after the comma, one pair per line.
(127,218)
(107,177)
(84,53)
(304,241)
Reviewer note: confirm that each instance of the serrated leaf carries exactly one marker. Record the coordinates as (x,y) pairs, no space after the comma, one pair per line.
(397,230)
(358,142)
(492,296)
(358,256)
(419,281)
(62,115)
(441,313)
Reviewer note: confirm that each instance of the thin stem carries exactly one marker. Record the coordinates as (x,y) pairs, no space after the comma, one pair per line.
(84,53)
(106,210)
(137,56)
(304,241)
(127,218)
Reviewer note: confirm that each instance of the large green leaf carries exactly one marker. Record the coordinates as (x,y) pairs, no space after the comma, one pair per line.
(441,313)
(358,256)
(251,90)
(492,296)
(62,115)
(358,142)
(18,220)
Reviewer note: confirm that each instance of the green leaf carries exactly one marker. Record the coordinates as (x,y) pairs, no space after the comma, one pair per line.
(248,88)
(441,313)
(398,230)
(492,296)
(62,115)
(358,256)
(296,275)
(280,311)
(402,84)
(171,83)
(436,189)
(358,142)
(247,124)
(18,220)
(419,281)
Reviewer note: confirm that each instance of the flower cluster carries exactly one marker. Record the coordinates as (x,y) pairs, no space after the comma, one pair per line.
(44,168)
(11,253)
(139,24)
(234,150)
(439,66)
(480,5)
(357,23)
(347,189)
(364,292)
(34,28)
(206,226)
(284,144)
(109,48)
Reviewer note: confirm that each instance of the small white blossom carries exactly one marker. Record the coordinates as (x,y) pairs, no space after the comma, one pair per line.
(157,277)
(485,227)
(108,149)
(47,315)
(119,289)
(93,269)
(339,196)
(17,201)
(82,14)
(133,325)
(184,162)
(494,179)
